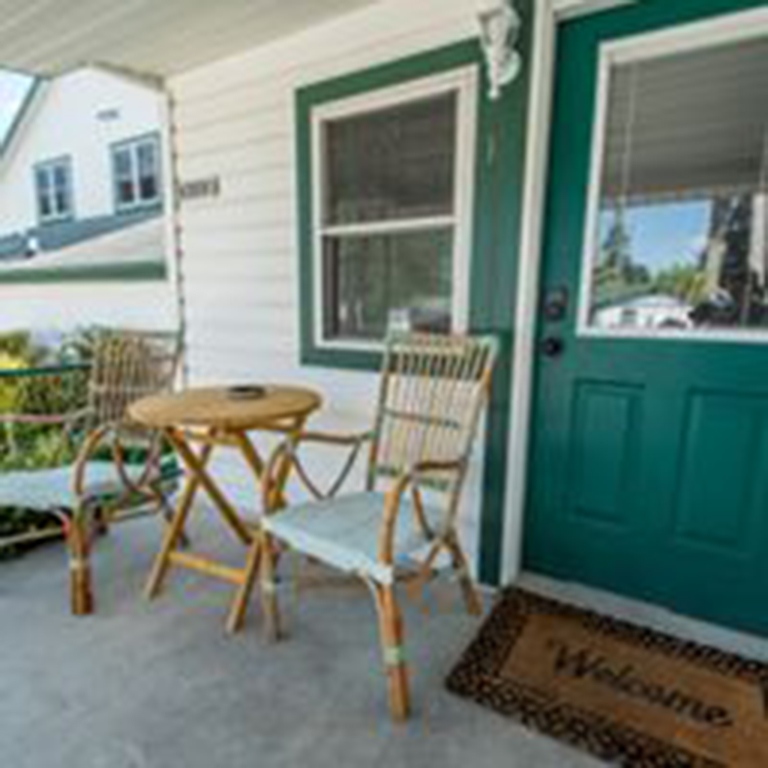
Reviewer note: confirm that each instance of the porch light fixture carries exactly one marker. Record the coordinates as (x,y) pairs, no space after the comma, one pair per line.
(500,25)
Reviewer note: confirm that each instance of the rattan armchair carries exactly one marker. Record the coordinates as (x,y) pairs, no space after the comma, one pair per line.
(118,468)
(432,393)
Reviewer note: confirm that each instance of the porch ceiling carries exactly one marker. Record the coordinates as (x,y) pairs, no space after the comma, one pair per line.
(158,37)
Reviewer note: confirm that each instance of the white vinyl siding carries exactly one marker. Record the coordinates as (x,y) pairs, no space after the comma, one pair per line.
(236,120)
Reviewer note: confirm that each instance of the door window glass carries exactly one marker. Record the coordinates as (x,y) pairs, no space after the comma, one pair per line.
(679,238)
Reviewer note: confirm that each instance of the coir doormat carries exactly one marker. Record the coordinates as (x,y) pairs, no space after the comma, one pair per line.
(632,696)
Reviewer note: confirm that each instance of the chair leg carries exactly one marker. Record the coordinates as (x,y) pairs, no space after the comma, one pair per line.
(101,523)
(268,585)
(392,641)
(81,590)
(239,608)
(472,599)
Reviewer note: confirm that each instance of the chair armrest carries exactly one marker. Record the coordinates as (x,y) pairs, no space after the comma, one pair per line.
(98,439)
(331,438)
(393,501)
(44,419)
(284,459)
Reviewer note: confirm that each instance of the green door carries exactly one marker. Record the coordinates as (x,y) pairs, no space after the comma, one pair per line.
(649,467)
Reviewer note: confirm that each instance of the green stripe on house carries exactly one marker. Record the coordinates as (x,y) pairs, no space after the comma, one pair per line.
(139,271)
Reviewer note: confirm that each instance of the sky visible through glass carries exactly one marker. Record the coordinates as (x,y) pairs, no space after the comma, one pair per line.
(661,235)
(13,89)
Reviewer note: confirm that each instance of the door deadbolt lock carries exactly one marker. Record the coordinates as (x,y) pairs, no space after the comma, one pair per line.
(556,304)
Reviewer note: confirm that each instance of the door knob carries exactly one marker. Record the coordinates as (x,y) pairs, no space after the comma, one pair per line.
(552,346)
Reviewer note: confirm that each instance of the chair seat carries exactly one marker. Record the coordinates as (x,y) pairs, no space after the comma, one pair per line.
(46,489)
(344,532)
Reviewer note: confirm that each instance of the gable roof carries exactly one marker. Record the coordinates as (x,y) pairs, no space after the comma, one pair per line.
(25,108)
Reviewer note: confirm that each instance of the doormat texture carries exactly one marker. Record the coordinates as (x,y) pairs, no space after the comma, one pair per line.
(629,695)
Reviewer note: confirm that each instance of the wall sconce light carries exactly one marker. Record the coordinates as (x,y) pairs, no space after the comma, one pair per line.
(500,26)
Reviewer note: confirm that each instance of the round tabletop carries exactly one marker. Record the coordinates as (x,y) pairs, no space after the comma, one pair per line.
(223,408)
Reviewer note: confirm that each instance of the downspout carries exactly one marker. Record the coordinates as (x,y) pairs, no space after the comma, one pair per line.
(173,230)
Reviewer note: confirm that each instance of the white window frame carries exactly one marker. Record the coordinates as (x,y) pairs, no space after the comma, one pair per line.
(49,167)
(463,82)
(735,28)
(132,146)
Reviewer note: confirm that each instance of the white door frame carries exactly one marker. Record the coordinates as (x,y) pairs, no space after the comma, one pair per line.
(549,13)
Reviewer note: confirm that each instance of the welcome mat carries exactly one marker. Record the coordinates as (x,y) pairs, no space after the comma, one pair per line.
(629,695)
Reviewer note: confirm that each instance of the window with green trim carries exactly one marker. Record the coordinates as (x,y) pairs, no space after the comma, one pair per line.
(53,189)
(136,171)
(392,183)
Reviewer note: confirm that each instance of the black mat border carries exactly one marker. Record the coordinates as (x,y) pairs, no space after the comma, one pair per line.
(477,676)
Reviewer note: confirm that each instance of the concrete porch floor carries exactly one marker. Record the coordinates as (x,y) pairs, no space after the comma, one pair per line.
(159,685)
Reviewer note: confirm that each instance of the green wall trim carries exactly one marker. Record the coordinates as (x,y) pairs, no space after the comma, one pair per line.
(500,153)
(383,76)
(141,271)
(498,211)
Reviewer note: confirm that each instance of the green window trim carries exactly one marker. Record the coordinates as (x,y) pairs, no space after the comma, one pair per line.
(366,82)
(499,163)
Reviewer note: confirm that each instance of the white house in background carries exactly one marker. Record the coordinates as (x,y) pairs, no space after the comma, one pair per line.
(645,312)
(81,205)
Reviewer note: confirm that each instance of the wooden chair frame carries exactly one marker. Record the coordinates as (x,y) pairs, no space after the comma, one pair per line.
(126,366)
(432,464)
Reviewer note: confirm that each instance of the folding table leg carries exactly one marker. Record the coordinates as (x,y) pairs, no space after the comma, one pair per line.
(175,530)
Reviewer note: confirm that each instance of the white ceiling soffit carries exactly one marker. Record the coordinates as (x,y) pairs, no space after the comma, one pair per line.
(158,37)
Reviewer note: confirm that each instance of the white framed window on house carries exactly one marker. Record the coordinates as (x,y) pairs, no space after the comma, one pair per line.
(677,233)
(393,176)
(53,190)
(136,172)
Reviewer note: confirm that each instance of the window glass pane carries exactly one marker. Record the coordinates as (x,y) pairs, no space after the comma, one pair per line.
(61,196)
(60,177)
(43,181)
(391,164)
(375,283)
(125,192)
(44,203)
(682,240)
(123,160)
(123,169)
(148,171)
(61,202)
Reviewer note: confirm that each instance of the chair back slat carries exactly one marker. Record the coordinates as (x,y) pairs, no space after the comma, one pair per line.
(129,365)
(432,391)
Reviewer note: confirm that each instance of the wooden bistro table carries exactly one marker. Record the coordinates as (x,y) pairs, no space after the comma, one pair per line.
(211,418)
